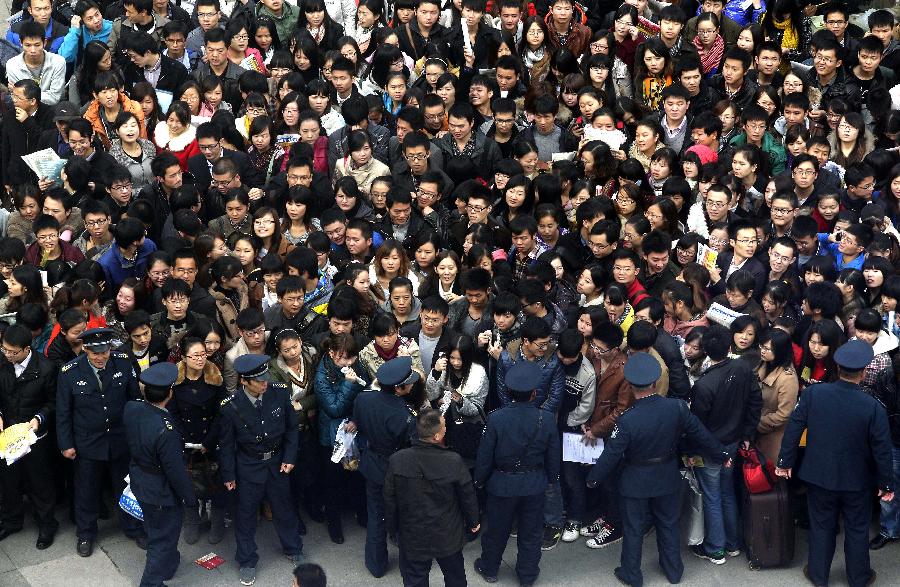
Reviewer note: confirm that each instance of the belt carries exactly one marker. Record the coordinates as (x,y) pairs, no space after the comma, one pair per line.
(262,456)
(522,470)
(148,469)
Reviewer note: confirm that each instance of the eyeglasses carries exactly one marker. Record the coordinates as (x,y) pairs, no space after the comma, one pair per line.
(216,183)
(715,205)
(9,352)
(476,208)
(782,211)
(747,241)
(782,258)
(756,127)
(159,274)
(175,41)
(835,22)
(416,156)
(261,330)
(122,187)
(178,301)
(184,270)
(241,37)
(598,350)
(208,147)
(541,345)
(804,172)
(206,14)
(197,357)
(427,194)
(48,238)
(96,223)
(263,222)
(256,111)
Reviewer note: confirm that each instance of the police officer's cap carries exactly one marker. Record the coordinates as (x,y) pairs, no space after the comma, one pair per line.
(523,376)
(252,366)
(98,340)
(397,371)
(160,375)
(642,370)
(854,355)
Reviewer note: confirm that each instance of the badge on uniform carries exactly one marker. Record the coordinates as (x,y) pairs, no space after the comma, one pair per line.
(276,412)
(81,383)
(117,375)
(615,432)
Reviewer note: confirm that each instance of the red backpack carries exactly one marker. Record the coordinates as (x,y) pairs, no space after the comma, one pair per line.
(759,474)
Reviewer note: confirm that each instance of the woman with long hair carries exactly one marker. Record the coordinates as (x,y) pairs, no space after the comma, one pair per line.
(851,140)
(744,332)
(709,43)
(387,344)
(340,377)
(779,386)
(390,261)
(24,287)
(652,74)
(130,297)
(239,50)
(816,360)
(535,50)
(364,23)
(266,157)
(425,251)
(518,199)
(145,95)
(267,228)
(785,23)
(297,223)
(590,286)
(133,152)
(360,163)
(265,38)
(307,58)
(350,200)
(624,37)
(97,58)
(446,280)
(318,24)
(648,139)
(749,175)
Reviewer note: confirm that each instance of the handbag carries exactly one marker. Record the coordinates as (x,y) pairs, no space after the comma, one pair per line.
(759,473)
(692,529)
(464,432)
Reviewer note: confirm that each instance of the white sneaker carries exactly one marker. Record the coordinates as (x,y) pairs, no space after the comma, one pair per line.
(571,534)
(592,529)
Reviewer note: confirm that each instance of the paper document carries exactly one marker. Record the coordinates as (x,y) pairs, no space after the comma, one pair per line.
(576,451)
(721,315)
(45,164)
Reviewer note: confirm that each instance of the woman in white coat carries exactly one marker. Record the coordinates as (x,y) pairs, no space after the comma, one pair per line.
(457,380)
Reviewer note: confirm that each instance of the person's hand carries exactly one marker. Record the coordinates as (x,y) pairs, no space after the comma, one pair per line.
(634,32)
(21,114)
(203,450)
(1,424)
(427,210)
(255,194)
(230,485)
(728,463)
(784,473)
(470,57)
(484,338)
(45,184)
(619,154)
(286,467)
(350,427)
(816,113)
(494,351)
(475,529)
(69,453)
(440,364)
(810,9)
(757,4)
(452,297)
(715,274)
(76,22)
(886,495)
(456,396)
(34,424)
(350,375)
(440,134)
(578,131)
(745,445)
(543,165)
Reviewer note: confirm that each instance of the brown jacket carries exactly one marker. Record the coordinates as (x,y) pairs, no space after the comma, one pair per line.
(779,394)
(613,396)
(226,313)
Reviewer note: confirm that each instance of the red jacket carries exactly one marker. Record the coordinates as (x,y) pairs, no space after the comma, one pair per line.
(636,293)
(69,253)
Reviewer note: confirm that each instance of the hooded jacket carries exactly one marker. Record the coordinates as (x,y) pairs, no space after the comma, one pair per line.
(552,385)
(76,39)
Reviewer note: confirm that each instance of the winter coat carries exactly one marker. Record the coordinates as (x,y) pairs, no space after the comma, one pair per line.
(474,389)
(613,395)
(334,396)
(779,395)
(371,361)
(364,175)
(887,391)
(184,146)
(550,388)
(226,313)
(94,114)
(31,395)
(194,406)
(19,227)
(141,174)
(300,388)
(69,254)
(727,401)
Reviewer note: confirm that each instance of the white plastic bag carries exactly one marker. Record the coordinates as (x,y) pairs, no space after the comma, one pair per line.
(692,529)
(129,503)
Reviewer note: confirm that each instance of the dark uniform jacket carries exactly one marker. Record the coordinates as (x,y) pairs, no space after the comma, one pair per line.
(31,395)
(519,452)
(887,392)
(429,501)
(88,419)
(157,472)
(194,406)
(247,436)
(386,424)
(646,437)
(848,444)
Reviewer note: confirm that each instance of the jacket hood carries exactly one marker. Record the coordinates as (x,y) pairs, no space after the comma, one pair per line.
(179,143)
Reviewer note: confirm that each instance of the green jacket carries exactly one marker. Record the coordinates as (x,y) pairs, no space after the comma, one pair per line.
(286,23)
(770,146)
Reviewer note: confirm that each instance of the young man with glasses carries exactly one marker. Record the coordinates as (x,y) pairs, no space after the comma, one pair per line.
(428,203)
(848,247)
(432,334)
(744,241)
(504,130)
(174,35)
(48,246)
(755,121)
(118,188)
(97,237)
(860,181)
(22,130)
(148,64)
(416,161)
(175,319)
(782,214)
(478,209)
(185,268)
(209,16)
(536,304)
(209,140)
(829,77)
(128,258)
(251,326)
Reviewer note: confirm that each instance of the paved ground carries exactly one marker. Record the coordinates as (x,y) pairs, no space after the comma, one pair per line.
(117,562)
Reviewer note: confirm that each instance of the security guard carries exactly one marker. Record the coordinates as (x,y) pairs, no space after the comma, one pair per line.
(258,449)
(645,438)
(91,394)
(159,479)
(386,424)
(517,459)
(848,446)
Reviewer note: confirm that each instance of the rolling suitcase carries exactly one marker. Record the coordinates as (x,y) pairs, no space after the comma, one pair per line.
(769,527)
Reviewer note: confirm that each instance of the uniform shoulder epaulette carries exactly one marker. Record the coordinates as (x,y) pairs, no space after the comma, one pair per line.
(68,365)
(120,355)
(168,423)
(226,400)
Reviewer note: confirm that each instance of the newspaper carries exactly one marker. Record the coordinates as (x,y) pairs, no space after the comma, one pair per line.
(613,138)
(46,164)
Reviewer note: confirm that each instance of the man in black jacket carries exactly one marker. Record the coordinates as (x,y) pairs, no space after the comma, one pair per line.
(401,223)
(653,310)
(148,64)
(887,391)
(424,30)
(431,332)
(429,501)
(21,132)
(727,400)
(28,394)
(209,139)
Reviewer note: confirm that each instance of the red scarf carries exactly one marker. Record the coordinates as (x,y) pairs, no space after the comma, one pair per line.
(388,355)
(711,58)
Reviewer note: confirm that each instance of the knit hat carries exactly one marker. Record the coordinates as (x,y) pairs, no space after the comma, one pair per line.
(705,154)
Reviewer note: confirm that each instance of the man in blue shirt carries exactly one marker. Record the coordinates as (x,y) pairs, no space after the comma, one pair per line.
(128,258)
(848,246)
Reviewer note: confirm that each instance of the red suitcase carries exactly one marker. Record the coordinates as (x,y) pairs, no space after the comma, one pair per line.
(769,527)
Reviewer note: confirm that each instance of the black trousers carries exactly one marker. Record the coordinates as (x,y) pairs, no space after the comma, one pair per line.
(663,513)
(824,508)
(528,512)
(415,572)
(32,475)
(163,525)
(90,478)
(341,487)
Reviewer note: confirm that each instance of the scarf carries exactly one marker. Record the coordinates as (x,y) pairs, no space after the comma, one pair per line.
(789,39)
(652,90)
(531,58)
(317,33)
(712,57)
(387,355)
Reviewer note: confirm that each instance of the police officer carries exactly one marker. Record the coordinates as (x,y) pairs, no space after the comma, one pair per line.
(848,447)
(517,459)
(386,424)
(159,479)
(258,448)
(91,394)
(645,438)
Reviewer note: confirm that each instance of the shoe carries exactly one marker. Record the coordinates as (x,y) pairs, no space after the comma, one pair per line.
(297,559)
(216,525)
(607,535)
(871,578)
(618,573)
(191,532)
(480,571)
(45,539)
(141,541)
(808,578)
(7,532)
(880,542)
(570,534)
(85,548)
(248,575)
(716,558)
(593,528)
(336,532)
(733,553)
(552,534)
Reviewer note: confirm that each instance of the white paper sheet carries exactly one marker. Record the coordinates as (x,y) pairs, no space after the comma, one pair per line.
(576,451)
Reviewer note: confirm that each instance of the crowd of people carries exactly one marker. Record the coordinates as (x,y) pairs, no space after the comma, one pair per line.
(464,185)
